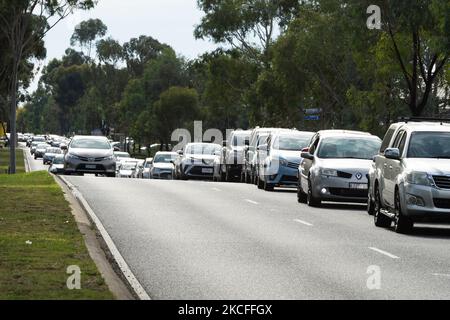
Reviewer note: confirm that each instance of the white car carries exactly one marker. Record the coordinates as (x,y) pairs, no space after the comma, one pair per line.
(163,166)
(410,179)
(127,169)
(197,160)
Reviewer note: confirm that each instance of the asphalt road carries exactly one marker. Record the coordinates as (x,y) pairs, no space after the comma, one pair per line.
(35,165)
(204,240)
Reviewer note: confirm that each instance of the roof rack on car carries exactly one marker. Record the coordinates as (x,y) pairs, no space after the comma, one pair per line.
(424,119)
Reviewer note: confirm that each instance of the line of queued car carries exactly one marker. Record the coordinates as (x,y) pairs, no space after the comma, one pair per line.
(404,178)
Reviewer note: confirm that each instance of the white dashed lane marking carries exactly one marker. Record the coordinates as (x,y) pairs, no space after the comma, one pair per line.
(304,223)
(390,255)
(252,202)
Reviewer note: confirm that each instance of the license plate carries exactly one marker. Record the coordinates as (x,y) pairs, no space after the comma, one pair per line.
(359,186)
(207,171)
(91,167)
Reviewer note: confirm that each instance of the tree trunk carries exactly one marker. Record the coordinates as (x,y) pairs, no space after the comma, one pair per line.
(13,111)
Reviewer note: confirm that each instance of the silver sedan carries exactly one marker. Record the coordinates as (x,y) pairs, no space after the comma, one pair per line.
(336,166)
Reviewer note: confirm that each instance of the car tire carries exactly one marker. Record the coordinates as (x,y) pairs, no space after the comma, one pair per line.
(311,200)
(223,176)
(268,187)
(301,196)
(402,224)
(370,207)
(247,178)
(380,220)
(260,183)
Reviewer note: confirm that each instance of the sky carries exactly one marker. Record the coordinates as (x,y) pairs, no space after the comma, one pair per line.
(169,21)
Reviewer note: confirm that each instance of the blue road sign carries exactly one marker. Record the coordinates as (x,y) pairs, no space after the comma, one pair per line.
(312,118)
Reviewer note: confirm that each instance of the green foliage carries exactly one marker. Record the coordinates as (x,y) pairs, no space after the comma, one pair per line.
(87,32)
(282,57)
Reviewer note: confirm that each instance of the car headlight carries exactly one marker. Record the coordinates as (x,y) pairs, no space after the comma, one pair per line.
(110,158)
(419,178)
(329,172)
(284,163)
(72,157)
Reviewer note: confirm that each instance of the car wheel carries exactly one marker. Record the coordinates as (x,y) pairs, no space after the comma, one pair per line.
(223,176)
(260,183)
(227,175)
(247,178)
(301,196)
(268,187)
(311,200)
(380,220)
(402,224)
(370,206)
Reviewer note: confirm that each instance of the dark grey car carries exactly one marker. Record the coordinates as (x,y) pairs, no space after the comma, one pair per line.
(89,154)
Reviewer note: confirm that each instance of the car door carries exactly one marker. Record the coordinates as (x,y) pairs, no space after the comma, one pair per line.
(380,161)
(391,166)
(307,164)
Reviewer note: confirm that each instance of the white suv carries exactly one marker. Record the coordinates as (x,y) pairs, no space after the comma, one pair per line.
(410,178)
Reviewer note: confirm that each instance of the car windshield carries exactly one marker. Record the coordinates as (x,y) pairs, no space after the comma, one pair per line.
(291,143)
(431,145)
(164,158)
(202,149)
(239,139)
(349,148)
(129,166)
(53,150)
(90,144)
(122,155)
(58,160)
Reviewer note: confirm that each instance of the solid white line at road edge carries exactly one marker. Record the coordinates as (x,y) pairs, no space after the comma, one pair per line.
(390,255)
(304,222)
(128,274)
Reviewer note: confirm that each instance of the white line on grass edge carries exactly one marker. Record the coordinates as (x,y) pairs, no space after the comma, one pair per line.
(124,268)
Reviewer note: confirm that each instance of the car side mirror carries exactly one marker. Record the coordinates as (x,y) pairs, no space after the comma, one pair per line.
(305,150)
(225,143)
(116,149)
(392,153)
(64,147)
(180,152)
(247,142)
(307,155)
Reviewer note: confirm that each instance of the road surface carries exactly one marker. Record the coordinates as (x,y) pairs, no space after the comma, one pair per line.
(204,240)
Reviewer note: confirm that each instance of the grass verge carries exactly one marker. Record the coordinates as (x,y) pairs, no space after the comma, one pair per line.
(39,240)
(4,161)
